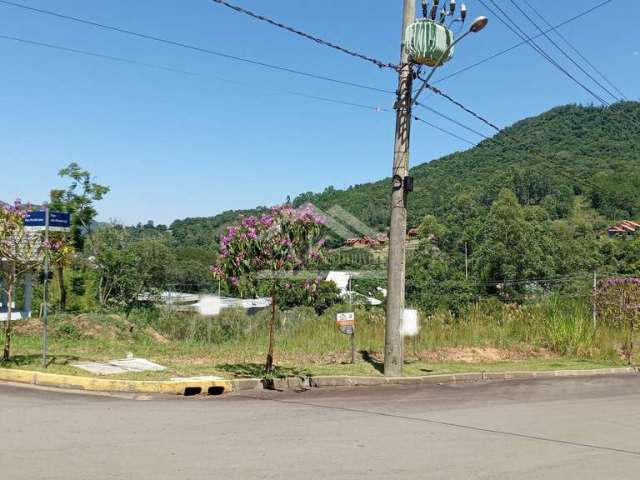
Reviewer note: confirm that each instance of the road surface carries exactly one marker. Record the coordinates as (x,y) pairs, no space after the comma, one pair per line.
(587,428)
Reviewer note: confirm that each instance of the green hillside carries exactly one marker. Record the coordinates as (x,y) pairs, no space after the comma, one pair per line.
(545,160)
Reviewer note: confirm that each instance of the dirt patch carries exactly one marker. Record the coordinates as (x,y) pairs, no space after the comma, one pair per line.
(481,355)
(155,335)
(89,327)
(32,326)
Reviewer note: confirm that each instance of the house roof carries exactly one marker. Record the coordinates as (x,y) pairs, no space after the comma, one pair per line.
(626,226)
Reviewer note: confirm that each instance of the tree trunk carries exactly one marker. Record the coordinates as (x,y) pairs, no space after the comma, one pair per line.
(7,328)
(63,289)
(272,334)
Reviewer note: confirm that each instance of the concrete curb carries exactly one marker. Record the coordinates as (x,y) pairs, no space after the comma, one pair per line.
(93,384)
(344,381)
(217,387)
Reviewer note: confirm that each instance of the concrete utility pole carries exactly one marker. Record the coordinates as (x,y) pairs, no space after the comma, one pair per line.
(393,350)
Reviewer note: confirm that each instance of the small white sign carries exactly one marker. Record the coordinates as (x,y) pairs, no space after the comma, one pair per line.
(346,317)
(346,322)
(410,325)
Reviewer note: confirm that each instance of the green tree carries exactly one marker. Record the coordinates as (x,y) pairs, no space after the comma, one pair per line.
(130,271)
(78,199)
(433,282)
(511,248)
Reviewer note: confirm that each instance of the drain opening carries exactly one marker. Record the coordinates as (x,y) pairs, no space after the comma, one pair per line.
(190,391)
(215,390)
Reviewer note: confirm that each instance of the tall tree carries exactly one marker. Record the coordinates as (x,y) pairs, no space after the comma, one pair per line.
(260,250)
(130,269)
(513,244)
(79,200)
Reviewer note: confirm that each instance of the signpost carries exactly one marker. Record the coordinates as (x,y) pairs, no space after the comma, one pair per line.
(47,221)
(346,323)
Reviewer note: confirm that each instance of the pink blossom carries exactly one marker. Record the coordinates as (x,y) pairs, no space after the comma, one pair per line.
(266,220)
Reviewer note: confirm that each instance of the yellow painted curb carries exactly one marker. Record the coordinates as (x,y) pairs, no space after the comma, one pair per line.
(94,384)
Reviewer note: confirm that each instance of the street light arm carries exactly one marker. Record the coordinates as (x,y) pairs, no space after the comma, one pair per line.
(433,70)
(477,25)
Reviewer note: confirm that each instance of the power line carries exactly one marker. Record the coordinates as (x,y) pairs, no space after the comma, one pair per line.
(524,42)
(215,77)
(561,50)
(189,73)
(452,120)
(437,91)
(586,60)
(508,136)
(547,56)
(318,40)
(522,34)
(194,48)
(454,135)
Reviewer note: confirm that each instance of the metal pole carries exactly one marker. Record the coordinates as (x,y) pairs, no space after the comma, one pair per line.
(595,310)
(393,351)
(466,261)
(45,308)
(353,332)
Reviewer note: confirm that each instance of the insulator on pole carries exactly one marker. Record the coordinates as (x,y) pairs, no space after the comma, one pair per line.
(425,9)
(443,15)
(452,6)
(463,12)
(434,10)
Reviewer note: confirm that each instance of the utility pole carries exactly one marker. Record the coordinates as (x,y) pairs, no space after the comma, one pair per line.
(393,351)
(45,295)
(595,309)
(466,262)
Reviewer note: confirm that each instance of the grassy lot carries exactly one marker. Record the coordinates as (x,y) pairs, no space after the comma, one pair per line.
(487,337)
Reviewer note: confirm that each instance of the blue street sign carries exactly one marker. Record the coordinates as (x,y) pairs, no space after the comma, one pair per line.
(35,219)
(58,221)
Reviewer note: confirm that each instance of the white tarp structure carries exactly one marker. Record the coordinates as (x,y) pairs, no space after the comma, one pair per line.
(126,365)
(342,281)
(210,305)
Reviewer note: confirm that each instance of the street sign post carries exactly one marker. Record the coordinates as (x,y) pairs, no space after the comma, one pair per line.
(39,220)
(346,323)
(46,221)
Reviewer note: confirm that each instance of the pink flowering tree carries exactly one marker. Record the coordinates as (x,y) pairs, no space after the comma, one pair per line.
(266,252)
(20,252)
(618,304)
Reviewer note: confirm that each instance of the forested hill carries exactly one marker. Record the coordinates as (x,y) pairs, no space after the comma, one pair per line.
(545,160)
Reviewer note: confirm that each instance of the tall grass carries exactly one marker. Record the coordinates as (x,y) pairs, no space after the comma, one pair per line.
(554,325)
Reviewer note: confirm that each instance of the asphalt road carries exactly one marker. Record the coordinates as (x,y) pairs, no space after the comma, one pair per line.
(586,428)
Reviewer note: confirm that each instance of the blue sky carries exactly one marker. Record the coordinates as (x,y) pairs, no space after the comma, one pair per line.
(172,145)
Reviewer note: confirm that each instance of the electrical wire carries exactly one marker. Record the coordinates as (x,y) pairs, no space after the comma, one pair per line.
(452,120)
(215,77)
(545,55)
(454,135)
(505,135)
(561,50)
(189,73)
(300,33)
(513,26)
(193,47)
(578,52)
(437,91)
(524,42)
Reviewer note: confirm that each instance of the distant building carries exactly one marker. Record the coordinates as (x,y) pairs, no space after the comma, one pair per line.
(625,229)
